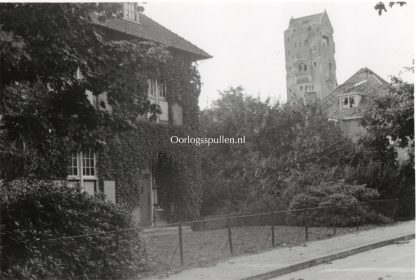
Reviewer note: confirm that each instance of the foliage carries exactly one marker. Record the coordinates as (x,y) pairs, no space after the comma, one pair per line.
(282,141)
(337,203)
(389,124)
(33,211)
(391,117)
(381,6)
(229,170)
(41,97)
(176,166)
(302,134)
(47,115)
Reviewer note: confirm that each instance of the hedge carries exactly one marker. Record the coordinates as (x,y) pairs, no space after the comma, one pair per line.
(36,216)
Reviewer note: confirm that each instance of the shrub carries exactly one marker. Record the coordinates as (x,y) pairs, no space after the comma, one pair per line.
(37,211)
(337,204)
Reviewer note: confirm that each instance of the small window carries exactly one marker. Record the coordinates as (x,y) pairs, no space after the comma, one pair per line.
(130,11)
(305,68)
(345,102)
(156,88)
(300,67)
(325,40)
(348,102)
(73,168)
(162,89)
(88,163)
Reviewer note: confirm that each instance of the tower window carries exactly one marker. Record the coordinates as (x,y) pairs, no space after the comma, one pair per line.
(325,40)
(305,67)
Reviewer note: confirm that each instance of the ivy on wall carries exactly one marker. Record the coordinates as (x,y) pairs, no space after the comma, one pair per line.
(126,153)
(176,166)
(46,115)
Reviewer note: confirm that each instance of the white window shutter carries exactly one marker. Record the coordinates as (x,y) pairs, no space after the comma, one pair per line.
(164,116)
(177,114)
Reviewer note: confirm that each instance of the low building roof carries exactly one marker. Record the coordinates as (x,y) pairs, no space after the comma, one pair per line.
(149,29)
(365,83)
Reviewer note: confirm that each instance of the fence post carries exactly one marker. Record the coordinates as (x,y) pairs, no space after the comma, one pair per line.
(356,215)
(230,240)
(395,209)
(306,229)
(180,242)
(273,240)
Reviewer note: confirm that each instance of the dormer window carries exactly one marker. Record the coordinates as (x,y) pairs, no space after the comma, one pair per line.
(348,102)
(130,11)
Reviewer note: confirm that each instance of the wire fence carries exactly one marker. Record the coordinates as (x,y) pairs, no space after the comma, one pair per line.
(206,241)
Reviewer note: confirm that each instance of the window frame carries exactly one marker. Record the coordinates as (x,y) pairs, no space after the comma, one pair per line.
(130,11)
(348,102)
(157,94)
(74,166)
(79,157)
(90,167)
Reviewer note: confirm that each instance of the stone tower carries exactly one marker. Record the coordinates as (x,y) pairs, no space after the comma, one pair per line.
(310,62)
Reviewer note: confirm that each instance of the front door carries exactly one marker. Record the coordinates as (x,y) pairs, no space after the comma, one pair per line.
(146,200)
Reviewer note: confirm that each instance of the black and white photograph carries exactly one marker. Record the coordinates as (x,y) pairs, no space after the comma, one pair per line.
(207,140)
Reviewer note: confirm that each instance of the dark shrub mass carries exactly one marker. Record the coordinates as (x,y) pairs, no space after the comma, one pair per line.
(37,219)
(338,204)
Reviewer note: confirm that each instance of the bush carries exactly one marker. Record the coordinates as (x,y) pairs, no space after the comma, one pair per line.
(338,204)
(39,210)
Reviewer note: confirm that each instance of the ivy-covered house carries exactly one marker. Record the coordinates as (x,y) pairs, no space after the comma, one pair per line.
(138,166)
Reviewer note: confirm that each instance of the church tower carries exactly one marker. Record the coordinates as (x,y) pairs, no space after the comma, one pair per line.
(310,61)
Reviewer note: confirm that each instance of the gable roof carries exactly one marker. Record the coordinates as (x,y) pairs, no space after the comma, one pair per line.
(365,83)
(149,29)
(307,21)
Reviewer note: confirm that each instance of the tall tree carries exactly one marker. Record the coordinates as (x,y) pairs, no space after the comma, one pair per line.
(43,103)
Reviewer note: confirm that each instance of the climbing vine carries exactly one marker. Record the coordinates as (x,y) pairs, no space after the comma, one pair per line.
(126,153)
(47,115)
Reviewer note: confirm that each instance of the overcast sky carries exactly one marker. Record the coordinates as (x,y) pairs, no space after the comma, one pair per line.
(246,40)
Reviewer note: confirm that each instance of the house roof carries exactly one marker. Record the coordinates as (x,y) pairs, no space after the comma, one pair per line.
(365,83)
(149,29)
